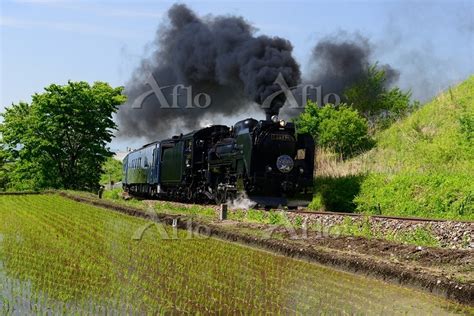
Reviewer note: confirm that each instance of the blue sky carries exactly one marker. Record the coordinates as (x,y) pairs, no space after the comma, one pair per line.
(51,41)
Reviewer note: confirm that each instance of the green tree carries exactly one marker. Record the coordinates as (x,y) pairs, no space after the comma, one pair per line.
(340,129)
(59,140)
(112,171)
(5,169)
(343,130)
(309,120)
(375,101)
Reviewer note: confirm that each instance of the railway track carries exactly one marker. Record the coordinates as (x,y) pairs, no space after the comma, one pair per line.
(305,211)
(302,211)
(412,219)
(309,212)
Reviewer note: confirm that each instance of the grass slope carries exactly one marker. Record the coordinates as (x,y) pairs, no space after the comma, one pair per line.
(421,166)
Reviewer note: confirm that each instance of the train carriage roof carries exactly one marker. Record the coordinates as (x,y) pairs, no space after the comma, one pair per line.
(200,133)
(203,132)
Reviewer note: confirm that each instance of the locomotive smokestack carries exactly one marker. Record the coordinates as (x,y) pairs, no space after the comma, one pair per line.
(275,108)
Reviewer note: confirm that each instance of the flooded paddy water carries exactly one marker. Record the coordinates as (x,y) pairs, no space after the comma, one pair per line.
(59,256)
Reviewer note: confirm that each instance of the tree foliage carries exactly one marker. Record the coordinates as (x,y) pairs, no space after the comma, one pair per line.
(112,171)
(5,169)
(372,98)
(340,129)
(369,102)
(59,140)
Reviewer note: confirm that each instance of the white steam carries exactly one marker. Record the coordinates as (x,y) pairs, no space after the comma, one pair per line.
(242,202)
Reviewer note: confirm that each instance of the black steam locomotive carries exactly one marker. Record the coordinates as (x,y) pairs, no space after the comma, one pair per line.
(267,160)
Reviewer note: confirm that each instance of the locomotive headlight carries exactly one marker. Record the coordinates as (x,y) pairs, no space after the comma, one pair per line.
(282,123)
(285,163)
(275,118)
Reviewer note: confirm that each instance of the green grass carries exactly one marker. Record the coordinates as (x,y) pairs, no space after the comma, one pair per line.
(191,209)
(115,196)
(271,217)
(420,236)
(204,212)
(58,256)
(421,166)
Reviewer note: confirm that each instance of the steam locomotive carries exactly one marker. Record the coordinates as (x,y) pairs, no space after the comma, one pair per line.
(267,160)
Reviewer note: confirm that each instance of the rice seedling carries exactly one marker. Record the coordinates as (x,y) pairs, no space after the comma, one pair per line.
(63,257)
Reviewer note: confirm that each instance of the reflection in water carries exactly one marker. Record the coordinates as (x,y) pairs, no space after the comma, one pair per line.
(61,256)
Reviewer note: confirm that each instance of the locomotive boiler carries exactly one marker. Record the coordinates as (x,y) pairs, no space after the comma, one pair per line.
(267,160)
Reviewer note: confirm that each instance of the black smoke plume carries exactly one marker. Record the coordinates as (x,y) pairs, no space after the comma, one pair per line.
(336,63)
(219,56)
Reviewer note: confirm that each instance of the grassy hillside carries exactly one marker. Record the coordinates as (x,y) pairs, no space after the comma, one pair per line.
(421,166)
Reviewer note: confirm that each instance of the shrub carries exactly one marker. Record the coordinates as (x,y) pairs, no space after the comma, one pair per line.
(336,194)
(343,130)
(340,128)
(316,204)
(115,194)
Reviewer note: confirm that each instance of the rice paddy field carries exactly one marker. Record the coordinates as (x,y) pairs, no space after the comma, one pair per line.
(58,256)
